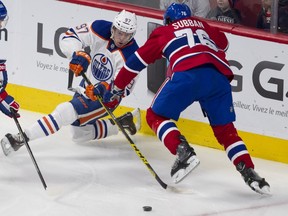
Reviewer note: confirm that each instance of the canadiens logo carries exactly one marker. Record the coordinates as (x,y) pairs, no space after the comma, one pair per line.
(101,67)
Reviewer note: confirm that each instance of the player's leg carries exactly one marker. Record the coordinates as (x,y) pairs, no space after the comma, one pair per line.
(220,112)
(130,121)
(64,114)
(102,128)
(167,131)
(172,98)
(237,152)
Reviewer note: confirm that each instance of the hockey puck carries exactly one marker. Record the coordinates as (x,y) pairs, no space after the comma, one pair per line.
(147,208)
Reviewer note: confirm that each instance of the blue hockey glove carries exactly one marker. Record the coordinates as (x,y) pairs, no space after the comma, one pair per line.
(80,62)
(112,97)
(7,102)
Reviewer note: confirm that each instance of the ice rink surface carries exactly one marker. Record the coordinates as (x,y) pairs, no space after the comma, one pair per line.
(107,178)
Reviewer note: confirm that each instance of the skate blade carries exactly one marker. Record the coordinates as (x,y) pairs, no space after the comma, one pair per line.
(137,115)
(6,147)
(182,173)
(265,190)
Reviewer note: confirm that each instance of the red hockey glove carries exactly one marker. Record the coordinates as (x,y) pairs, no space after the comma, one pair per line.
(7,102)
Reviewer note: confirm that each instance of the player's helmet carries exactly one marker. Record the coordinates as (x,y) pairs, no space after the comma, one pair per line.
(175,12)
(126,22)
(3,15)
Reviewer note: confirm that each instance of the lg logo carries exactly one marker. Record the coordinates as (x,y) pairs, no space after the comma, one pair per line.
(260,86)
(49,51)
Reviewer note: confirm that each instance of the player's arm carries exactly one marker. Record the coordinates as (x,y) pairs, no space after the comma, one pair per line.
(76,39)
(129,71)
(220,39)
(127,76)
(146,54)
(73,44)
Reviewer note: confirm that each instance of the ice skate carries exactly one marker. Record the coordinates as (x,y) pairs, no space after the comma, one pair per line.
(127,121)
(185,162)
(253,180)
(11,143)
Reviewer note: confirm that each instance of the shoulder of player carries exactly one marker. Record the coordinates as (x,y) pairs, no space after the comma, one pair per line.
(159,31)
(129,49)
(102,28)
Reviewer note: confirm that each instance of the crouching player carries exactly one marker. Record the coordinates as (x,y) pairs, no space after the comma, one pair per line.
(110,44)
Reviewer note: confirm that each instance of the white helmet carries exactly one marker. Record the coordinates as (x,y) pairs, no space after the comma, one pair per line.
(126,21)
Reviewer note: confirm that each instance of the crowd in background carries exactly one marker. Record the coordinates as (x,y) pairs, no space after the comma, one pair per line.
(260,14)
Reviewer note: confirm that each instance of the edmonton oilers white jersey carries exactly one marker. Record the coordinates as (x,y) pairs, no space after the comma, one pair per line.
(106,58)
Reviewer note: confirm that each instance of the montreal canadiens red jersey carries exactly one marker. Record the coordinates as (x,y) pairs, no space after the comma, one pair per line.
(186,44)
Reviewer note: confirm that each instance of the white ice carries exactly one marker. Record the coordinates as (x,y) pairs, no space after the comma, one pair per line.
(107,178)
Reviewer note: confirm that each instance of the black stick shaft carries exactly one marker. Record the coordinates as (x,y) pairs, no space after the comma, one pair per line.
(70,79)
(28,148)
(140,155)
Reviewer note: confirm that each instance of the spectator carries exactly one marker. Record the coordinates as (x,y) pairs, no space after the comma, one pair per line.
(225,12)
(264,16)
(199,8)
(283,16)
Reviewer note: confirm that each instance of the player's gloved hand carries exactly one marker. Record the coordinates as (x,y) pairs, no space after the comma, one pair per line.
(80,62)
(112,97)
(7,102)
(98,90)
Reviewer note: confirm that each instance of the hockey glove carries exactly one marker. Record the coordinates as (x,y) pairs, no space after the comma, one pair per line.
(80,62)
(113,96)
(98,90)
(7,102)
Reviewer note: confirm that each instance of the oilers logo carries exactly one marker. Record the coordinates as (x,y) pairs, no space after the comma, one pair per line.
(101,67)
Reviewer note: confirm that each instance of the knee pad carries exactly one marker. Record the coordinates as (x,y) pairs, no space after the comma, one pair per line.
(65,114)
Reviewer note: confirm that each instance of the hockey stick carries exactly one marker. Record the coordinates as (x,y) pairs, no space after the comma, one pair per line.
(28,147)
(140,155)
(70,81)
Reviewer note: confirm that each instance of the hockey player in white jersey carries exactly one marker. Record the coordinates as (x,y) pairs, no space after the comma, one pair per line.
(110,44)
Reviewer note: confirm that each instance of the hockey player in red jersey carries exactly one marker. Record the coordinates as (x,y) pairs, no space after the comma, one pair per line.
(200,72)
(6,101)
